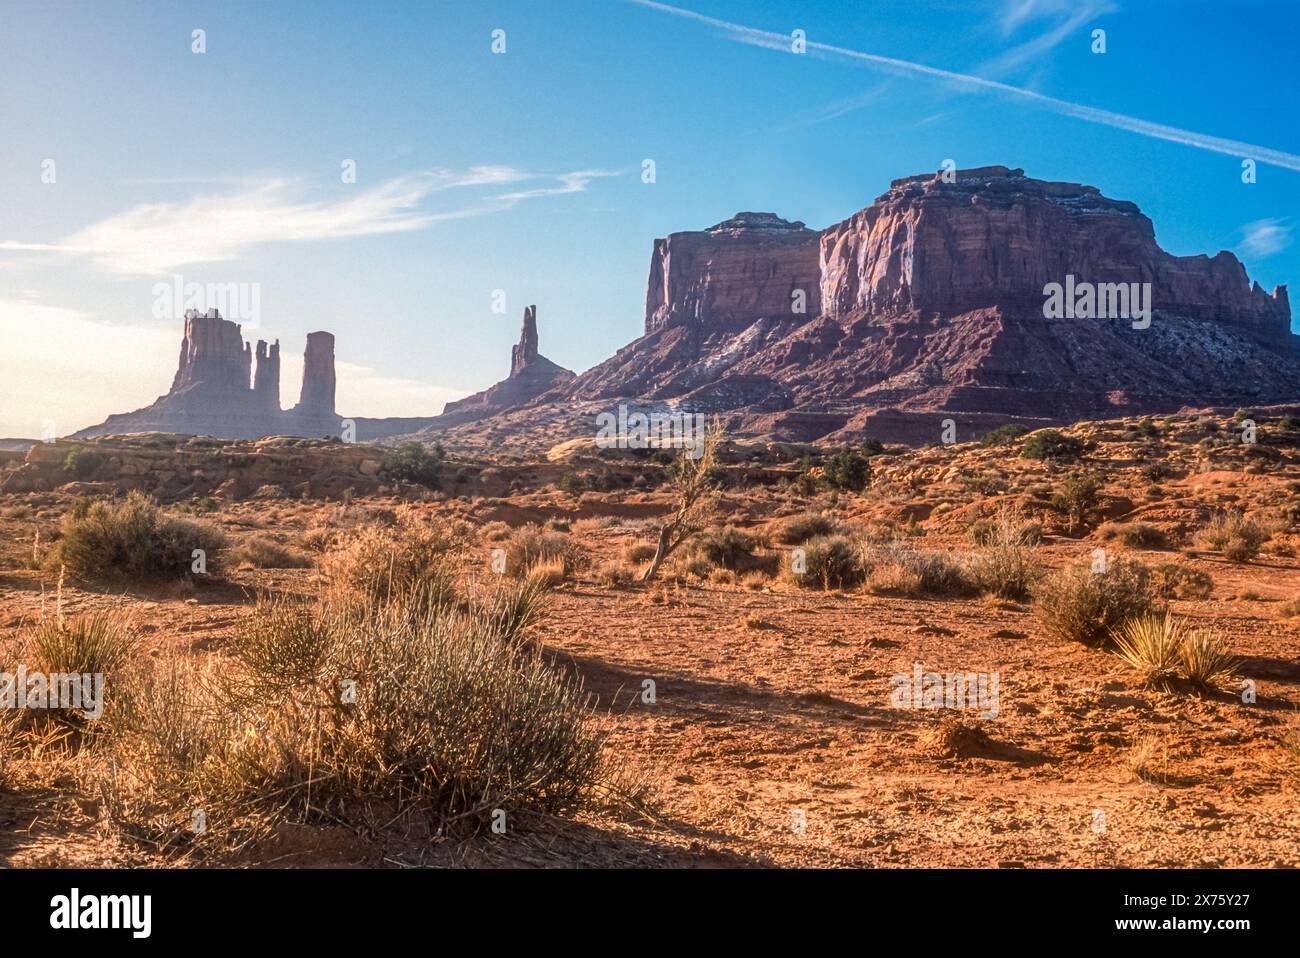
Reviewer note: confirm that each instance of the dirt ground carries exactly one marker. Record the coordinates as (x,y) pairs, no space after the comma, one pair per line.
(770,738)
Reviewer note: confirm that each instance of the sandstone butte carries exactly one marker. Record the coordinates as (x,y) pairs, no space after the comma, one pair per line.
(925,306)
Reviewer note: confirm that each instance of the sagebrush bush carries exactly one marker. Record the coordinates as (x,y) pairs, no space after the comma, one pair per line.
(134,538)
(830,562)
(1174,581)
(1135,535)
(327,708)
(797,529)
(898,569)
(262,552)
(728,548)
(531,544)
(1081,605)
(378,563)
(1233,534)
(1076,497)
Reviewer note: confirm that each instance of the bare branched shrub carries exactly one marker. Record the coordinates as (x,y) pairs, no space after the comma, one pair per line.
(696,487)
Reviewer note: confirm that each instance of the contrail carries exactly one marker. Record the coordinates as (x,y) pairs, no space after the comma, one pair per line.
(1090,114)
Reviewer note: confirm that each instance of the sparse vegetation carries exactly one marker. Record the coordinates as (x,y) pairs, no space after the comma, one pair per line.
(801,528)
(1174,581)
(1004,564)
(1003,434)
(416,463)
(82,463)
(1076,497)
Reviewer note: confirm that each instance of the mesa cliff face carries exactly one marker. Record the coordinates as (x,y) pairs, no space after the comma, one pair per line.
(211,393)
(994,237)
(751,266)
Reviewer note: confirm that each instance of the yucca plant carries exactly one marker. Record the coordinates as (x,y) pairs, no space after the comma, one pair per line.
(1153,645)
(1207,660)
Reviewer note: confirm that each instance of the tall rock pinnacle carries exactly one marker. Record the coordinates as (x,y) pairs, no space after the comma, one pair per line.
(318,375)
(266,375)
(213,354)
(526,352)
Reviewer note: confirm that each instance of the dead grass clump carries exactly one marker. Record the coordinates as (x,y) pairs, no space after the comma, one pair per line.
(799,529)
(1081,605)
(1149,760)
(1174,581)
(262,552)
(133,538)
(1236,536)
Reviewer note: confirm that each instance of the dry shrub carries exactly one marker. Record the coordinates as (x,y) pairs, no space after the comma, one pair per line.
(954,737)
(1004,563)
(1135,535)
(726,548)
(796,530)
(133,538)
(615,574)
(1149,760)
(897,569)
(382,563)
(1236,536)
(1174,581)
(829,562)
(434,712)
(893,578)
(1290,608)
(262,552)
(531,544)
(1078,604)
(638,552)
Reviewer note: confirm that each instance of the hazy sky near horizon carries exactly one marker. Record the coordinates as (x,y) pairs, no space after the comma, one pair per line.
(520,172)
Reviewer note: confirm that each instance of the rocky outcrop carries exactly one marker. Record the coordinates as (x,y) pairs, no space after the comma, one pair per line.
(994,237)
(266,377)
(211,393)
(752,266)
(531,375)
(318,382)
(525,351)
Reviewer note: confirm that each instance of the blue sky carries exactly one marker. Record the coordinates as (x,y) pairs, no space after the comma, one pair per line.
(521,171)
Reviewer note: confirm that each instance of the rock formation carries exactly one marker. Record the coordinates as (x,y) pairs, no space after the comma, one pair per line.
(526,350)
(751,266)
(994,237)
(318,382)
(929,305)
(266,376)
(211,393)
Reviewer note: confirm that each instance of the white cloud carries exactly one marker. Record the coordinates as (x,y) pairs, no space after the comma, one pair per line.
(1265,237)
(1159,131)
(158,238)
(1070,17)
